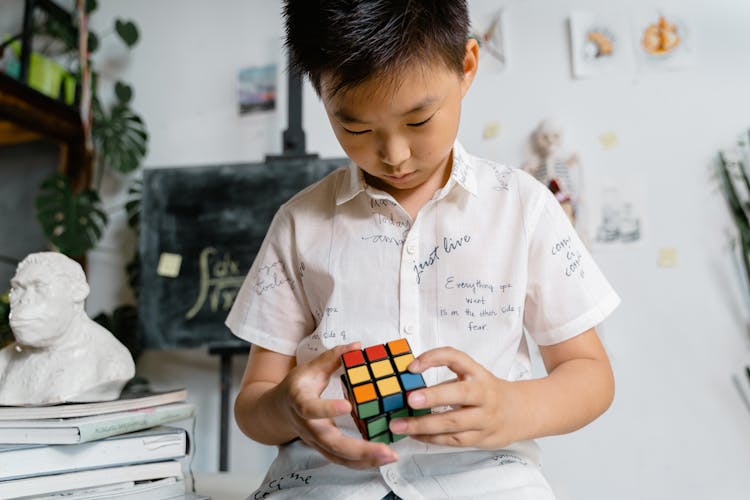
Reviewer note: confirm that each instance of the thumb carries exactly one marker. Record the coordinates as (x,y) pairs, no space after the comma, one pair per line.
(330,360)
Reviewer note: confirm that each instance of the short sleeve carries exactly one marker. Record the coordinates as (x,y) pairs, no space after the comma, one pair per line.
(567,293)
(271,309)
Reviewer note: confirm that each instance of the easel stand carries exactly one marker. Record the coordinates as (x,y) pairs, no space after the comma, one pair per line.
(225,353)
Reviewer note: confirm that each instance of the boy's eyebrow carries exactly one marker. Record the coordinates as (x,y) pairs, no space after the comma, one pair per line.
(344,116)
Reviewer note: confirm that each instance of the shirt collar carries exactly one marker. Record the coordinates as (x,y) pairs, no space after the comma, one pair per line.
(462,173)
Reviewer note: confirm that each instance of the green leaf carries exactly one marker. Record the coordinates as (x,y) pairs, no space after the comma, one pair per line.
(128,32)
(91,6)
(133,272)
(92,42)
(72,223)
(124,92)
(123,323)
(6,334)
(67,34)
(120,138)
(133,203)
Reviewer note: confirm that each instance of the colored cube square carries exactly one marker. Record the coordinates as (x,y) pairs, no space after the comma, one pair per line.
(358,374)
(400,346)
(353,358)
(376,425)
(376,352)
(411,381)
(382,368)
(402,362)
(377,383)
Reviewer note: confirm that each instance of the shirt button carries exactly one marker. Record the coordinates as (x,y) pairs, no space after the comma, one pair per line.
(410,249)
(409,329)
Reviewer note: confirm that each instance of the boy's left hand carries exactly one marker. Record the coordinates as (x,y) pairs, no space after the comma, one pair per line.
(481,404)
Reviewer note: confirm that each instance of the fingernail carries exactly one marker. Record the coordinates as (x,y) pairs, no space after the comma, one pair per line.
(416,400)
(413,366)
(386,459)
(398,426)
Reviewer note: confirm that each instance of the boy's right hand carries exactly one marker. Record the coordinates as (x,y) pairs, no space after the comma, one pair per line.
(312,417)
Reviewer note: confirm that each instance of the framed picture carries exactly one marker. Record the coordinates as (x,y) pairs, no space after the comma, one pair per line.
(663,40)
(597,45)
(490,30)
(257,89)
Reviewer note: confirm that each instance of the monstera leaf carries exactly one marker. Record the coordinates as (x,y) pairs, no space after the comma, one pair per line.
(121,137)
(73,223)
(133,204)
(6,334)
(123,323)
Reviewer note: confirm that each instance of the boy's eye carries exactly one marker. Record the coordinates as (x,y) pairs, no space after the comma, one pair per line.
(355,132)
(419,124)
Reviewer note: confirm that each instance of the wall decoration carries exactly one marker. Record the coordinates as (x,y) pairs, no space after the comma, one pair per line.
(552,166)
(663,41)
(490,31)
(596,44)
(257,89)
(618,218)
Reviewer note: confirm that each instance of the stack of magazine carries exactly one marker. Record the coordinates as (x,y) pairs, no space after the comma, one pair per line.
(112,449)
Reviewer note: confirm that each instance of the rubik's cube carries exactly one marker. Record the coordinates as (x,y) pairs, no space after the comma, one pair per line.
(377,384)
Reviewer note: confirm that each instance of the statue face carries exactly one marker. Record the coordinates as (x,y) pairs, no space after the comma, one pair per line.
(41,306)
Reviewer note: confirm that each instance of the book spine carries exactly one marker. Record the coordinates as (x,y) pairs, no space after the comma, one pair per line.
(137,420)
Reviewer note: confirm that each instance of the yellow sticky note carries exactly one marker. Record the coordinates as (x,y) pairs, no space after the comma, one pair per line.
(169,265)
(608,140)
(667,257)
(491,130)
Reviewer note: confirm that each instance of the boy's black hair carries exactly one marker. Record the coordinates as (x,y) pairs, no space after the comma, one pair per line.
(354,40)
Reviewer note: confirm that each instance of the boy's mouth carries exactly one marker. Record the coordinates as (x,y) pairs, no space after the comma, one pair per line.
(400,177)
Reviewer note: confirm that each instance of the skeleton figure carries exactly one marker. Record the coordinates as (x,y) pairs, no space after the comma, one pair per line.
(552,168)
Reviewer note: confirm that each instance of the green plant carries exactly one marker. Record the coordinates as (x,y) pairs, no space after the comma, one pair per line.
(123,323)
(6,334)
(74,221)
(735,186)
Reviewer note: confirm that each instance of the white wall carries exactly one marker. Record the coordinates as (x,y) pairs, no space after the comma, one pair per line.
(677,428)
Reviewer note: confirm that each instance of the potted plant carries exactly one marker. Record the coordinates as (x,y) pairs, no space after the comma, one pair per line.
(73,220)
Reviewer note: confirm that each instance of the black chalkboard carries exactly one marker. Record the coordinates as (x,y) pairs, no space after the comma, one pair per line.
(201,228)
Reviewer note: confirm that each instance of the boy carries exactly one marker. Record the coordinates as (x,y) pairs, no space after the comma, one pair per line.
(417,239)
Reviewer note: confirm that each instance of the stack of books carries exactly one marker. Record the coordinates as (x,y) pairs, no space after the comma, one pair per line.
(110,449)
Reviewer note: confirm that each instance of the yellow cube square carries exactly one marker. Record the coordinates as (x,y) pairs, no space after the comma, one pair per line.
(359,374)
(388,386)
(381,368)
(402,362)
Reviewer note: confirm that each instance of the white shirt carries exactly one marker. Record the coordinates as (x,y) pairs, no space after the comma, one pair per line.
(490,254)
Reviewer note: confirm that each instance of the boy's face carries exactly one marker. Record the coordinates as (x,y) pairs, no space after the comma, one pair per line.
(400,131)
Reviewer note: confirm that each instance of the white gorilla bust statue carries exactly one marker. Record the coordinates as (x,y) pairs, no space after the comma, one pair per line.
(60,354)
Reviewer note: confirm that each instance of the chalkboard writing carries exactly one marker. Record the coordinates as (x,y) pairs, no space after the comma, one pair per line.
(201,228)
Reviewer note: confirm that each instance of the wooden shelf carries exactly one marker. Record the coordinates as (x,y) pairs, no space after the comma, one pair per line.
(26,114)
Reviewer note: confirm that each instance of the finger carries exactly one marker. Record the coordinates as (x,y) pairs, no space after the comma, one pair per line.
(467,438)
(458,362)
(348,449)
(330,360)
(450,422)
(454,393)
(316,408)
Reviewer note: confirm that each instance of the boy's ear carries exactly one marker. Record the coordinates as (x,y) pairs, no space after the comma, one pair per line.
(471,64)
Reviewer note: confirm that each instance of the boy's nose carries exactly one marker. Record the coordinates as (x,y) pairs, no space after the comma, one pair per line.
(394,151)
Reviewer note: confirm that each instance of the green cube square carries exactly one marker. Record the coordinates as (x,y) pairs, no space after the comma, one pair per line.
(376,425)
